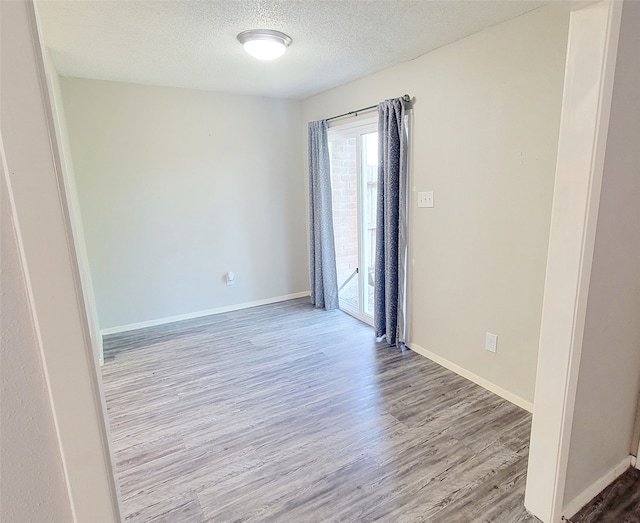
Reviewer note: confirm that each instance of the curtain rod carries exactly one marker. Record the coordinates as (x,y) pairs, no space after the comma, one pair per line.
(405,98)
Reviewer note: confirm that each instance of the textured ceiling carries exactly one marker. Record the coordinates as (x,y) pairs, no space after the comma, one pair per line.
(192,43)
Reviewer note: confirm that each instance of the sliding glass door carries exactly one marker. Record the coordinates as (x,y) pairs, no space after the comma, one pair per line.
(354,172)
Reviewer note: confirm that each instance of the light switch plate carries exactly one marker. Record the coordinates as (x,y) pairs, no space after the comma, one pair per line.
(425,199)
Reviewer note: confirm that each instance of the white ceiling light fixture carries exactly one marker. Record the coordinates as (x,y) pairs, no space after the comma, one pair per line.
(264,44)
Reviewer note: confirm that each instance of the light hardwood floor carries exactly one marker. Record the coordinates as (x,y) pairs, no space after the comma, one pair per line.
(286,413)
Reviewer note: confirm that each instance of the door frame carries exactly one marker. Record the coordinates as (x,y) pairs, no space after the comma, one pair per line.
(359,128)
(36,187)
(590,67)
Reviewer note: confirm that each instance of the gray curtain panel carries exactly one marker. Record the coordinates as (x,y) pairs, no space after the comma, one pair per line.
(324,278)
(391,223)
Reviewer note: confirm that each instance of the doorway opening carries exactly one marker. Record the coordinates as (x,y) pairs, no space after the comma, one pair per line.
(353,150)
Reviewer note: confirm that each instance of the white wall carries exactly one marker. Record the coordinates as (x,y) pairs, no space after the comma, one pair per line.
(37,195)
(484,139)
(32,476)
(179,186)
(609,377)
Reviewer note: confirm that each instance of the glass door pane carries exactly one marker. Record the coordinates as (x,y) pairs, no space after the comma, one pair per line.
(353,152)
(369,200)
(344,188)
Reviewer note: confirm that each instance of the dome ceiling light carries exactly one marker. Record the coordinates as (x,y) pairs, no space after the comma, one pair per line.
(264,44)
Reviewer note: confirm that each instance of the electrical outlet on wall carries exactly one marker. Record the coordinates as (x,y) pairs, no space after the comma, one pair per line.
(425,199)
(491,342)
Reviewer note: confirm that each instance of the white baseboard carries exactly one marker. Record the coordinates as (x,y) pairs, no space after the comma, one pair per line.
(200,314)
(574,506)
(478,380)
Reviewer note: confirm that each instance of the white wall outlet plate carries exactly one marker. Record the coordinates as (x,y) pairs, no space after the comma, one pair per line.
(491,342)
(425,199)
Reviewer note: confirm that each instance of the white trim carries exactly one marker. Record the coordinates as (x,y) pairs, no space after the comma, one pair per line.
(75,226)
(24,267)
(200,314)
(86,310)
(586,105)
(53,285)
(574,506)
(344,129)
(478,380)
(357,315)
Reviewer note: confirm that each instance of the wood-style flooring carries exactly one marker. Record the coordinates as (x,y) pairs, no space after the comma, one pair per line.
(618,503)
(285,413)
